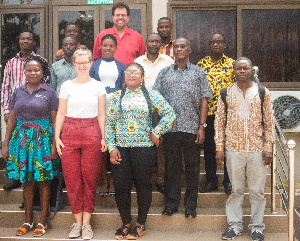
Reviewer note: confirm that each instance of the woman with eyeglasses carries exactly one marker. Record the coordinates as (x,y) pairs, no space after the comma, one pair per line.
(111,73)
(132,143)
(79,139)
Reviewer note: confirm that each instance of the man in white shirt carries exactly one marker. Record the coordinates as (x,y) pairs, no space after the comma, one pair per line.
(153,62)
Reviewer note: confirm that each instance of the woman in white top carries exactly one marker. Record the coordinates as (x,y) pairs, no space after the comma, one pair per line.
(79,136)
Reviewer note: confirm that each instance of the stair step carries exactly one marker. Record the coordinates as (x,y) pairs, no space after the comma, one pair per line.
(212,199)
(152,234)
(103,218)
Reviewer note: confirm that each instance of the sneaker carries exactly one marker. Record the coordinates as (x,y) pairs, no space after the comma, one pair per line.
(230,234)
(75,230)
(87,232)
(257,235)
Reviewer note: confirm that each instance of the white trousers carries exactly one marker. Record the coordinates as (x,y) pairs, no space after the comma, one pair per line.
(242,167)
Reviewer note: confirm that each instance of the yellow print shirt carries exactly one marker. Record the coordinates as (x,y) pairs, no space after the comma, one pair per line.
(219,75)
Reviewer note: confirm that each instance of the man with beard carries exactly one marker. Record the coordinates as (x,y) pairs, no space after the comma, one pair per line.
(130,42)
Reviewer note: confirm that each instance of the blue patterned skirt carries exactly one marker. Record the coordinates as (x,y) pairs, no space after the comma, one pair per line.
(30,152)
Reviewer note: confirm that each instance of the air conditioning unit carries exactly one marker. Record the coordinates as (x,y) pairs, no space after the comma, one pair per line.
(287,109)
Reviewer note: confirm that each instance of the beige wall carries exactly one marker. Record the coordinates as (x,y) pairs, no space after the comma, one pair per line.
(159,9)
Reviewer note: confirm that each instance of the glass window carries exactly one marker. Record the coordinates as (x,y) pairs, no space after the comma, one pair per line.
(135,19)
(271,39)
(85,22)
(14,2)
(199,25)
(11,26)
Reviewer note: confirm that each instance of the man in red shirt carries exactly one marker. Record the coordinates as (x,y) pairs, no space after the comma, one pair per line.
(130,43)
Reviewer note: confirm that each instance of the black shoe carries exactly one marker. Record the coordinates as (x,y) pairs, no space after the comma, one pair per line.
(169,211)
(228,187)
(209,187)
(257,235)
(161,187)
(230,234)
(12,185)
(189,213)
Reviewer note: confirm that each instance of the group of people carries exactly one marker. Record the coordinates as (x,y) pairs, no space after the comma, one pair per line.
(139,105)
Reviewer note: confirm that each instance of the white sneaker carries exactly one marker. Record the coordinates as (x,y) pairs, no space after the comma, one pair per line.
(75,230)
(87,232)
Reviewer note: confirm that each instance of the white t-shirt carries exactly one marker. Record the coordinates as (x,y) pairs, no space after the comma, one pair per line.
(82,98)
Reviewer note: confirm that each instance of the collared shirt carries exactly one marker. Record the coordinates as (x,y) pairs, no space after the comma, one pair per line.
(60,53)
(35,106)
(13,78)
(132,126)
(61,71)
(130,46)
(219,75)
(168,49)
(244,131)
(152,69)
(184,89)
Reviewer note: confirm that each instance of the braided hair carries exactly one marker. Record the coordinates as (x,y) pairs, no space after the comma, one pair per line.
(44,64)
(144,90)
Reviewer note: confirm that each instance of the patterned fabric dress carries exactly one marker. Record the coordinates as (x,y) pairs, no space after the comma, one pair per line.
(30,152)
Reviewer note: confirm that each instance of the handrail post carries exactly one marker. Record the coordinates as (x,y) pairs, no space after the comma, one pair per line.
(273,181)
(291,145)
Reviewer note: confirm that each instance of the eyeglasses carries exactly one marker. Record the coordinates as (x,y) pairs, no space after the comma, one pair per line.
(120,15)
(218,42)
(133,73)
(85,64)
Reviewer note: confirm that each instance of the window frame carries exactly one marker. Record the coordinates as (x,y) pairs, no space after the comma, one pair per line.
(175,6)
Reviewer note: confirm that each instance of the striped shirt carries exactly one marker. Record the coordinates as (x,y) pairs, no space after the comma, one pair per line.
(132,127)
(244,131)
(13,78)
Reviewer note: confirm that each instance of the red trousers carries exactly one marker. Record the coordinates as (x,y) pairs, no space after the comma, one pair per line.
(81,161)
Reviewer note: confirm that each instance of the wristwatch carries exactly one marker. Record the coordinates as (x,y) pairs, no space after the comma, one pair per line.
(203,124)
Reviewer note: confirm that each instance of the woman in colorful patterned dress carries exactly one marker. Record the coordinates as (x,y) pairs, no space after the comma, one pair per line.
(132,142)
(28,146)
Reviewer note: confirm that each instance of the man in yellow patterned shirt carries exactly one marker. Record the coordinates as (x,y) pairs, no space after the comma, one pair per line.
(218,69)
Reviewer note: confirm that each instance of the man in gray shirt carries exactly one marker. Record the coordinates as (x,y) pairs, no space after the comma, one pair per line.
(64,70)
(186,88)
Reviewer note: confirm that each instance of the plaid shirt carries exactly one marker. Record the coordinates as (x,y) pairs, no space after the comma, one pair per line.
(13,78)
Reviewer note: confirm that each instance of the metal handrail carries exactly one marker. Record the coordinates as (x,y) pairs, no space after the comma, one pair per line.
(283,170)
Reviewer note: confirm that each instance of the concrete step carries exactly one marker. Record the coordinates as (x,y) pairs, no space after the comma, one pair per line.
(202,179)
(212,199)
(7,234)
(212,219)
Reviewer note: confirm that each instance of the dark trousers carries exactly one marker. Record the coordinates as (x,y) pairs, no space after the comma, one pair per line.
(210,154)
(175,143)
(136,167)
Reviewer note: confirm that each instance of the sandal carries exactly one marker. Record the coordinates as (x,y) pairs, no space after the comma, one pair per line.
(38,232)
(134,233)
(24,229)
(120,234)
